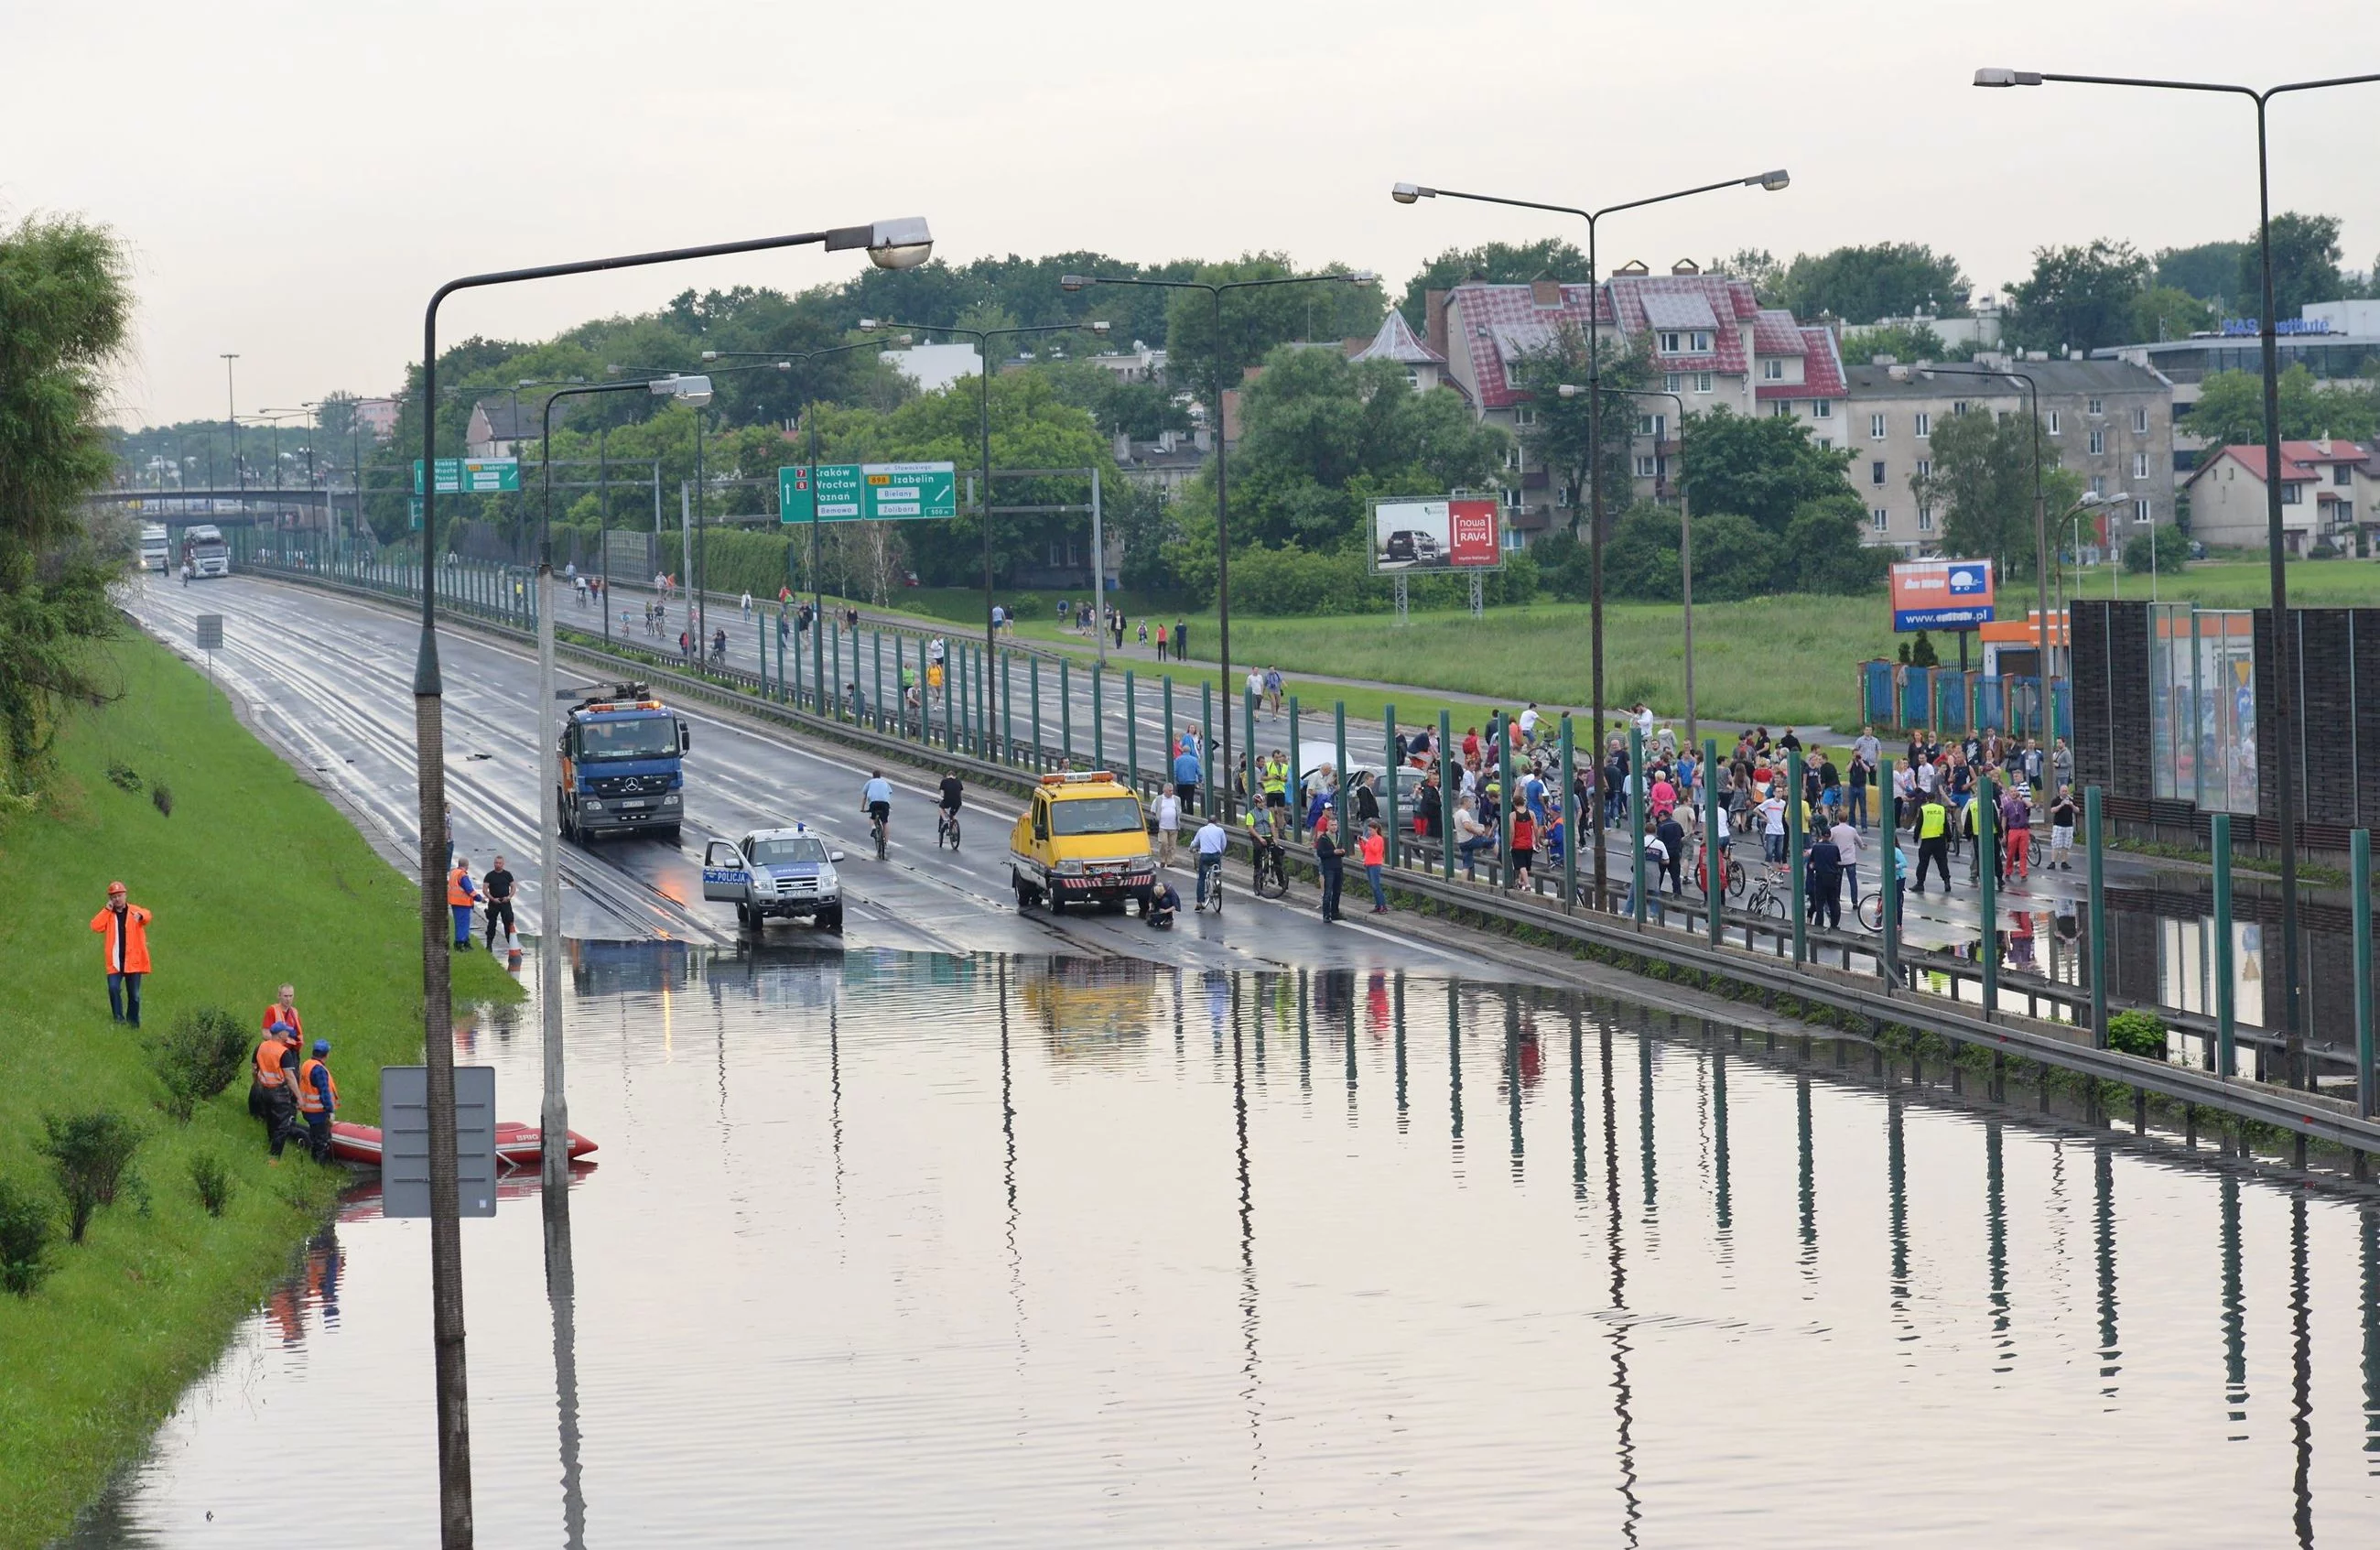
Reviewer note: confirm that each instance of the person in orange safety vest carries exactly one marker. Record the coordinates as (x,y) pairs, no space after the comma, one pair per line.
(318,1100)
(461,892)
(273,1096)
(125,928)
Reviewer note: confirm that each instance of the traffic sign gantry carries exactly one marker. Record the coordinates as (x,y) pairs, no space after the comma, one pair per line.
(867,493)
(473,476)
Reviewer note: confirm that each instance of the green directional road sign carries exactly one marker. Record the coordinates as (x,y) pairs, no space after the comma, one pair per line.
(472,476)
(868,493)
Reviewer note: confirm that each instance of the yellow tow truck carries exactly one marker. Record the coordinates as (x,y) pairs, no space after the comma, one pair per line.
(1081,839)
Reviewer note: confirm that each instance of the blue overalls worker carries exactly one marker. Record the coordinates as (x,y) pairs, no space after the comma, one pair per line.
(317,1101)
(460,892)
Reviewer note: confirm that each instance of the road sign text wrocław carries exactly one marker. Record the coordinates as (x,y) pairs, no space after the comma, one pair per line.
(869,492)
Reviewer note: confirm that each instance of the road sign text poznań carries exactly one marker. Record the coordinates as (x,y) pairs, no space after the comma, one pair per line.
(869,492)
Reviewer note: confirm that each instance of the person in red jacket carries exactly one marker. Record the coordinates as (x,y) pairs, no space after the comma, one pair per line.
(124,928)
(1373,851)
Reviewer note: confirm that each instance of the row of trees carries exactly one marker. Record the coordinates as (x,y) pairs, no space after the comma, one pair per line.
(65,304)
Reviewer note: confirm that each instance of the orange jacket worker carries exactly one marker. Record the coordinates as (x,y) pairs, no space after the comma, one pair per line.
(460,892)
(123,927)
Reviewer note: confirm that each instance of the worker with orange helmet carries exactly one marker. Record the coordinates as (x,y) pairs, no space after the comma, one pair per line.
(123,927)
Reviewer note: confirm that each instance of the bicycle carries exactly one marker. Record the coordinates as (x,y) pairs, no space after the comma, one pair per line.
(877,826)
(1210,882)
(947,829)
(1771,894)
(1734,874)
(1272,879)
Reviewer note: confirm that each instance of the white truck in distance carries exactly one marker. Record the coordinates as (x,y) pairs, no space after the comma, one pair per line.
(156,552)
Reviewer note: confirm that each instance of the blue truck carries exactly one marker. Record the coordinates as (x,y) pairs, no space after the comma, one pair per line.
(622,766)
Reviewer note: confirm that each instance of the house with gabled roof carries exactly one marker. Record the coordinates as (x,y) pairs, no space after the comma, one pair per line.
(2228,499)
(1398,344)
(1707,335)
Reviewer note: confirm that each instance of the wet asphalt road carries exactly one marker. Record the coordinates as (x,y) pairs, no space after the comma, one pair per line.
(331,680)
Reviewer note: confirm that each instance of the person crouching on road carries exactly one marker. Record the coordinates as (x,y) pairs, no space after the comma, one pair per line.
(460,894)
(275,1094)
(1163,904)
(318,1100)
(124,928)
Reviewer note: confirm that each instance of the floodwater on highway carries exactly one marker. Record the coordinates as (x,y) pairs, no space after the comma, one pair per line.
(907,1249)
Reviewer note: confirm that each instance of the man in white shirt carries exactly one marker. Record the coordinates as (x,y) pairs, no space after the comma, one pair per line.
(1208,844)
(1645,722)
(1529,719)
(1772,827)
(1867,748)
(1255,685)
(1169,826)
(1846,840)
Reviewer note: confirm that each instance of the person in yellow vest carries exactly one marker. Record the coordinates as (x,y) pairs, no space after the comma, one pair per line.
(317,1101)
(272,1098)
(1273,772)
(460,894)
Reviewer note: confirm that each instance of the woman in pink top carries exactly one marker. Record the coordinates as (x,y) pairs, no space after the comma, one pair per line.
(1664,797)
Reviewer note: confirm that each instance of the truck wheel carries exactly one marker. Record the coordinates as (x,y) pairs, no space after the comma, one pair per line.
(1023,894)
(668,836)
(1057,902)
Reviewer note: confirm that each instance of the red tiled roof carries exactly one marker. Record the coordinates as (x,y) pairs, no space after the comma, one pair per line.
(1491,323)
(2297,459)
(1822,369)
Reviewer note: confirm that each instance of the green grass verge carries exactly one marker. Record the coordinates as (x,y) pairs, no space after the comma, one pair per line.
(254,879)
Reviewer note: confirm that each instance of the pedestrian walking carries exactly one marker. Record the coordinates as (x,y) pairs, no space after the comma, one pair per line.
(1186,775)
(1181,642)
(746,607)
(497,884)
(1331,862)
(1825,883)
(2061,830)
(2016,824)
(1373,851)
(123,927)
(1933,839)
(1169,826)
(1847,849)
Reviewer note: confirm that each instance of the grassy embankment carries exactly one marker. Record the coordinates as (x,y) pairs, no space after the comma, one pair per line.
(254,879)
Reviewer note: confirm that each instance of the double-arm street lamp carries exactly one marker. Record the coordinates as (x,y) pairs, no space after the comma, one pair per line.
(983,337)
(890,244)
(2285,801)
(1221,772)
(1406,193)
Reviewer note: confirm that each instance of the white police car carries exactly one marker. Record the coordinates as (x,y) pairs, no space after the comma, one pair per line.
(787,872)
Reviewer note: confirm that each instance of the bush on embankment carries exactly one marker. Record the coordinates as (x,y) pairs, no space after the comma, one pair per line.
(254,879)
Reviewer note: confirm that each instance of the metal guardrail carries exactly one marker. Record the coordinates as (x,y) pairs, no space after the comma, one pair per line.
(2307,1114)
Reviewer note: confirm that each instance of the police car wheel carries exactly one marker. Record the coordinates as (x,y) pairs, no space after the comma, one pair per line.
(830,920)
(743,914)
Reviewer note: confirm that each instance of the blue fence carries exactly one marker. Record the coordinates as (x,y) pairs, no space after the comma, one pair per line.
(1947,701)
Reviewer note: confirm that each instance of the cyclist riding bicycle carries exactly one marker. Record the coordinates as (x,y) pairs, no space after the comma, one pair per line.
(876,799)
(1208,844)
(953,796)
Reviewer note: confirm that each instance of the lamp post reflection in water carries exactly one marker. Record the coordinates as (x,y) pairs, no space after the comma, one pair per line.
(562,1297)
(1624,1422)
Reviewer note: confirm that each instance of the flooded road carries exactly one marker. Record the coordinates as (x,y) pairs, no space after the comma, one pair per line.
(904,1248)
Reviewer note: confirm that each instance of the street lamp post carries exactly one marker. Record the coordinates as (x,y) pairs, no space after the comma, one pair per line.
(553,1118)
(1221,772)
(890,244)
(1406,193)
(1686,544)
(231,412)
(983,337)
(2285,796)
(2040,533)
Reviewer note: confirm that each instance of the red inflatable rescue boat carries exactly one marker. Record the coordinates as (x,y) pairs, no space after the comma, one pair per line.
(517,1145)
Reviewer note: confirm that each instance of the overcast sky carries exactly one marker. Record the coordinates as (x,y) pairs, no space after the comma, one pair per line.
(295,179)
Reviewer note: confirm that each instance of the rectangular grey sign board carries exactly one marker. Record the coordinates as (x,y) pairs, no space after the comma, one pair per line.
(210,632)
(405,1141)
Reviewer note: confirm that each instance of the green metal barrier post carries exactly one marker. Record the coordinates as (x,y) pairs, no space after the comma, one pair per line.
(2091,837)
(2226,1024)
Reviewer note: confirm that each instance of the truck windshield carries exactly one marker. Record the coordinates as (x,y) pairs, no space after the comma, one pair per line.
(1096,815)
(776,852)
(647,737)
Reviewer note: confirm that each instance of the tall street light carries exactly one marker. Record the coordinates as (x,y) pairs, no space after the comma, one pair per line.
(1221,772)
(804,407)
(983,337)
(2040,533)
(2285,798)
(554,1120)
(1686,545)
(231,412)
(1406,193)
(891,245)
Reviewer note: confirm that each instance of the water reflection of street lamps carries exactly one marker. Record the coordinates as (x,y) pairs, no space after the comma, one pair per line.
(890,245)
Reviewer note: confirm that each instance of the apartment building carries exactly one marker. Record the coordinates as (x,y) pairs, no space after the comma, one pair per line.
(2109,422)
(1708,338)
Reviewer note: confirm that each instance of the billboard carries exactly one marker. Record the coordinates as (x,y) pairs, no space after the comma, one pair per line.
(1942,594)
(1420,537)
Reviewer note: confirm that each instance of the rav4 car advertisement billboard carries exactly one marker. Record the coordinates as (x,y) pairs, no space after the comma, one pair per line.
(1461,533)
